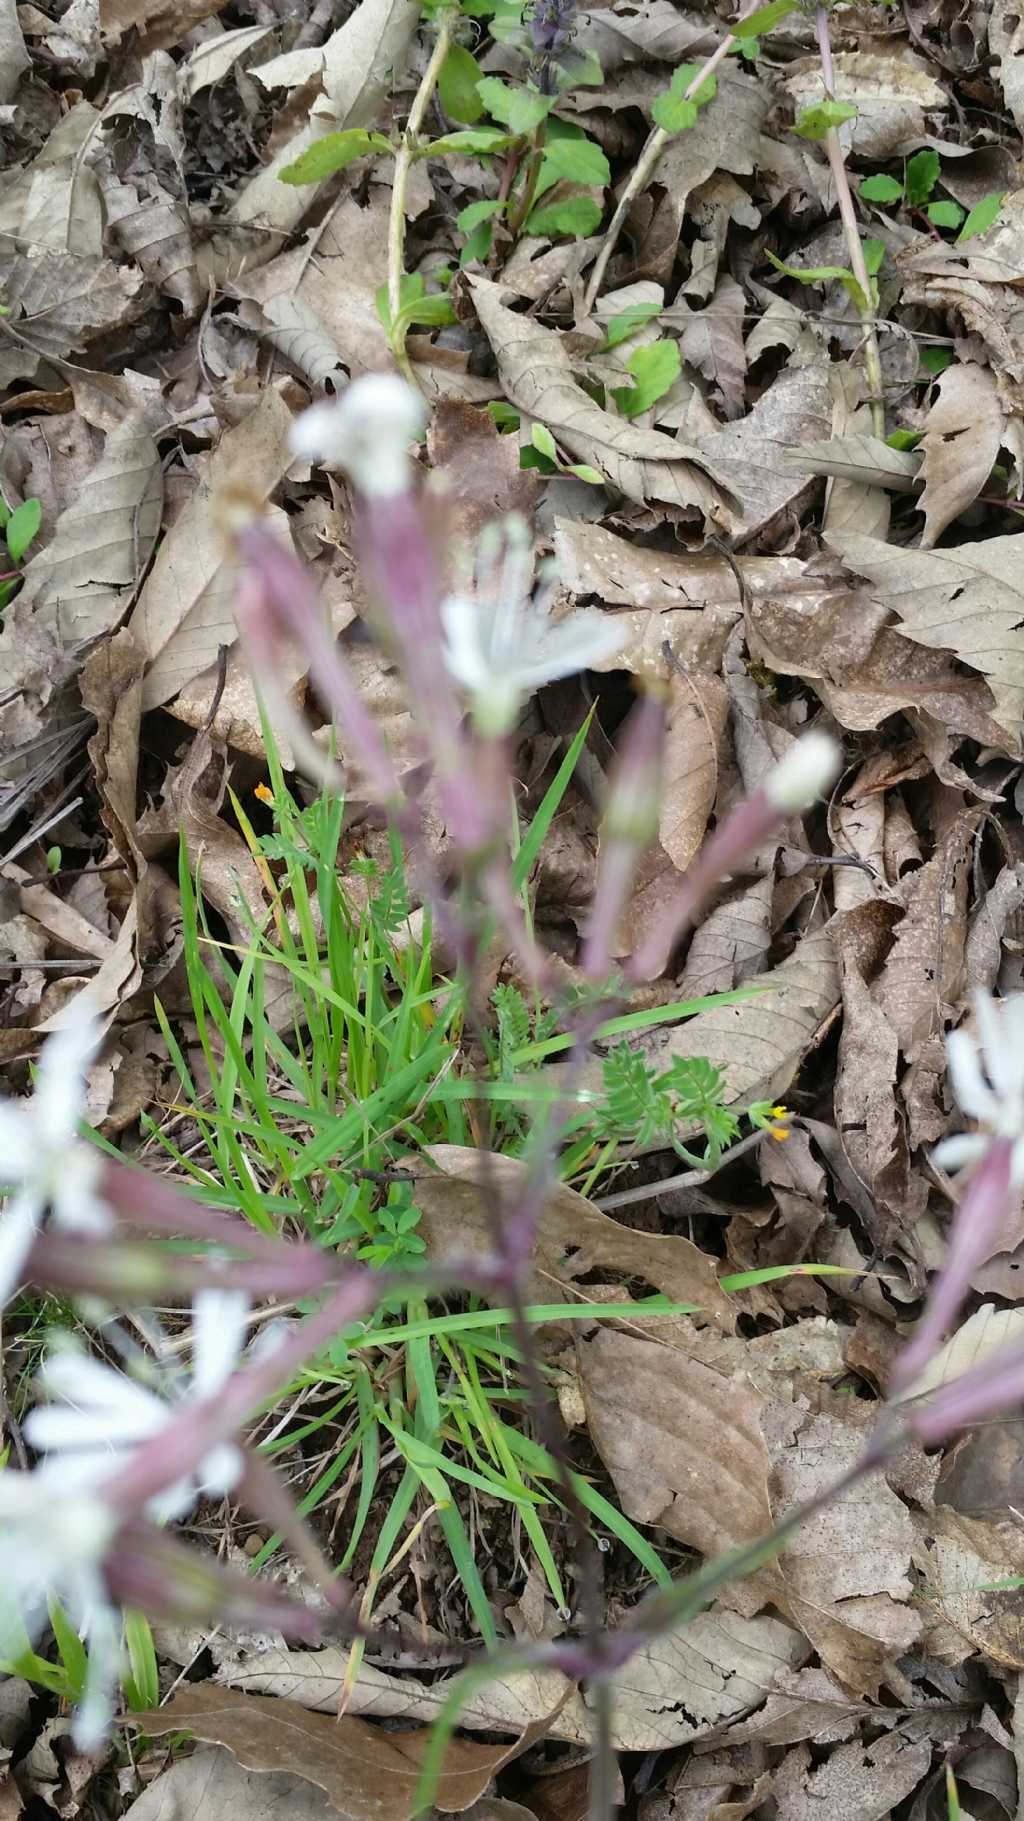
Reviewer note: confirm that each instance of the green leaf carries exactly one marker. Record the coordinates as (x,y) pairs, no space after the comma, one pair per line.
(520,109)
(584,472)
(457,85)
(22,527)
(904,439)
(431,312)
(983,214)
(142,1685)
(479,139)
(655,369)
(544,442)
(936,360)
(477,245)
(945,214)
(577,215)
(922,176)
(5,512)
(532,458)
(581,69)
(504,415)
(333,153)
(764,18)
(415,306)
(810,275)
(818,120)
(672,113)
(70,1648)
(619,328)
(496,96)
(881,189)
(475,212)
(684,75)
(874,253)
(577,160)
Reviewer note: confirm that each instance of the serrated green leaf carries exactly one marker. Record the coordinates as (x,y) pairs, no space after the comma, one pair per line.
(672,113)
(577,215)
(818,120)
(496,96)
(619,328)
(482,140)
(881,189)
(922,176)
(763,19)
(944,214)
(654,369)
(22,527)
(577,160)
(529,108)
(333,153)
(542,440)
(983,214)
(457,85)
(475,212)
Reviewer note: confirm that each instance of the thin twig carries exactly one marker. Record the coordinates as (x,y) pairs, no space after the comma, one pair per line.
(403,165)
(642,174)
(691,1179)
(851,230)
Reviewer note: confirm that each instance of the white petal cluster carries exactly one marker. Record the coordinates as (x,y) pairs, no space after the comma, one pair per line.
(805,773)
(501,642)
(41,1159)
(54,1534)
(367,433)
(987,1073)
(98,1414)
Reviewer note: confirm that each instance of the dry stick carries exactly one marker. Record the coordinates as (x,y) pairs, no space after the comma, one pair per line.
(403,165)
(643,173)
(851,229)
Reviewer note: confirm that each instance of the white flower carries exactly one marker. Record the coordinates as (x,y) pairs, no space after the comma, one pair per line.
(101,1415)
(54,1535)
(805,773)
(501,642)
(40,1155)
(988,1080)
(367,433)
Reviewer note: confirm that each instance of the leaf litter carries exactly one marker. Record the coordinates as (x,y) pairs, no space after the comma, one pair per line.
(700,446)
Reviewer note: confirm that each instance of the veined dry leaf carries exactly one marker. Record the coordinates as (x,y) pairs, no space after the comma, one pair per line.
(366,1773)
(712,341)
(293,327)
(573,1237)
(891,95)
(536,372)
(14,58)
(760,1044)
(212,60)
(856,1782)
(60,301)
(186,609)
(713,206)
(1006,42)
(867,1120)
(477,470)
(981,1334)
(696,716)
(979,283)
(159,23)
(358,62)
(84,575)
(211,1782)
(983,952)
(54,203)
(154,230)
(751,453)
(923,973)
(731,944)
(652,28)
(858,456)
(853,504)
(962,435)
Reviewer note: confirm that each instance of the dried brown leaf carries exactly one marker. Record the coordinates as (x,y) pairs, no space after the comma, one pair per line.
(856,1782)
(54,203)
(1006,43)
(573,1236)
(923,974)
(366,1773)
(962,434)
(750,455)
(159,23)
(14,58)
(210,1782)
(535,368)
(731,944)
(712,341)
(477,469)
(186,609)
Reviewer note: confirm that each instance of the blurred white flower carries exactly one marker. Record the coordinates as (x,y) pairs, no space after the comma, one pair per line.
(99,1414)
(988,1080)
(40,1156)
(500,640)
(805,773)
(367,433)
(54,1535)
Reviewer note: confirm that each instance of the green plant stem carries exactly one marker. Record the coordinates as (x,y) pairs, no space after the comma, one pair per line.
(404,159)
(643,172)
(851,230)
(530,181)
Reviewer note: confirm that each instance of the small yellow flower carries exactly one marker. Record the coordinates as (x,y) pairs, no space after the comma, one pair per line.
(264,792)
(779,1130)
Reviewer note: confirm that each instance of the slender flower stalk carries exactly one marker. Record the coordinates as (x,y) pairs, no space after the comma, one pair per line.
(799,779)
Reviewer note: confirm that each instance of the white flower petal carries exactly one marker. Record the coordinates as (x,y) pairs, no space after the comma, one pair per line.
(218,1335)
(973,1093)
(19,1223)
(367,433)
(19,1141)
(60,1085)
(88,1384)
(965,1148)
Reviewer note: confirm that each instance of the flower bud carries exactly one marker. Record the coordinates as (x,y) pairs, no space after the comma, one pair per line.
(810,766)
(367,433)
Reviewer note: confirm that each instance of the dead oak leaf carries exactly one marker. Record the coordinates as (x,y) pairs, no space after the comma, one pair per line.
(366,1773)
(968,600)
(535,368)
(962,435)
